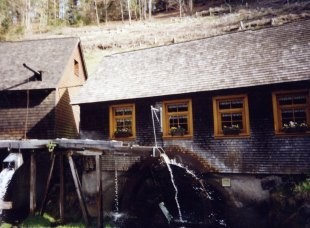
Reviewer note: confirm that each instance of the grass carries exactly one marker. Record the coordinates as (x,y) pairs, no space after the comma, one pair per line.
(36,221)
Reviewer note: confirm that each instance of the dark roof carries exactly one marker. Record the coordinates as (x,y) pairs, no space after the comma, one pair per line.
(50,56)
(242,59)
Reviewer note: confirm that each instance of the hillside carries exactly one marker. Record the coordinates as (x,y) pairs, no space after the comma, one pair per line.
(167,27)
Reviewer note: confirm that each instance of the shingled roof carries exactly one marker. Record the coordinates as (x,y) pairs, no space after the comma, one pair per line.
(242,59)
(47,55)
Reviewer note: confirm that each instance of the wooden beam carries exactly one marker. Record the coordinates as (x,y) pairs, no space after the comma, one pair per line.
(85,143)
(78,188)
(47,184)
(6,205)
(24,144)
(33,172)
(99,191)
(61,188)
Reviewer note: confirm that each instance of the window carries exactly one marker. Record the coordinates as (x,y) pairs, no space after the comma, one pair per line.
(76,67)
(291,111)
(122,121)
(231,116)
(177,119)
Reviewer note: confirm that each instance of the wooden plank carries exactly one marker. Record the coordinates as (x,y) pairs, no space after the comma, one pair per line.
(23,144)
(6,205)
(42,209)
(86,143)
(61,188)
(78,188)
(99,191)
(33,172)
(77,144)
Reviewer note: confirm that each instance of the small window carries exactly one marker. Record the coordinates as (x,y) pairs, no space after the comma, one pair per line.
(291,112)
(76,68)
(177,121)
(122,121)
(231,116)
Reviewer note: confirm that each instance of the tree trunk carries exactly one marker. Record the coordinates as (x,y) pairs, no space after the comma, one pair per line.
(96,9)
(140,9)
(122,12)
(190,7)
(129,11)
(180,7)
(144,9)
(55,11)
(150,9)
(106,12)
(28,15)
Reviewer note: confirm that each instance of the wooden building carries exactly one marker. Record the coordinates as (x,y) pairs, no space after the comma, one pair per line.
(239,102)
(38,80)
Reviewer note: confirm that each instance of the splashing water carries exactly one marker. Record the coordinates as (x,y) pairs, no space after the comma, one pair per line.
(116,189)
(192,173)
(168,162)
(5,179)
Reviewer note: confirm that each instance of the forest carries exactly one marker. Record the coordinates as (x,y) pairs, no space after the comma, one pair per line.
(25,15)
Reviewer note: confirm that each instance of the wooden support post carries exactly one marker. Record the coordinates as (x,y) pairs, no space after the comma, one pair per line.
(32,182)
(47,184)
(78,188)
(61,188)
(99,191)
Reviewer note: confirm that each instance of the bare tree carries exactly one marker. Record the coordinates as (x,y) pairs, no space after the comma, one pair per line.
(129,10)
(190,4)
(122,11)
(150,9)
(28,14)
(140,9)
(96,10)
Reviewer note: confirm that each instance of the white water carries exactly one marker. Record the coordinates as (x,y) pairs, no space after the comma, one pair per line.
(167,161)
(116,190)
(173,162)
(5,179)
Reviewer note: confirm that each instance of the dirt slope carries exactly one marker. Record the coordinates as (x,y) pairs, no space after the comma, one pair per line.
(166,28)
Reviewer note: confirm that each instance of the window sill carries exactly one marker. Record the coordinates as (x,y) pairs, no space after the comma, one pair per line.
(178,137)
(123,138)
(222,136)
(280,133)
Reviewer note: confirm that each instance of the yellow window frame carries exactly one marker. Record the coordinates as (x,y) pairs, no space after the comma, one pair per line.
(113,118)
(218,131)
(166,115)
(277,117)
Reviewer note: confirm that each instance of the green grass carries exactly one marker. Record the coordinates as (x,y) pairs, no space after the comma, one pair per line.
(46,221)
(5,225)
(37,221)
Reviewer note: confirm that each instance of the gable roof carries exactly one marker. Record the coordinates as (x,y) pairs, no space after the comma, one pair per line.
(50,56)
(249,58)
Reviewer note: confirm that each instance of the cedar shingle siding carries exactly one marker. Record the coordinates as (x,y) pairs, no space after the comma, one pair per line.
(41,114)
(50,113)
(254,63)
(263,152)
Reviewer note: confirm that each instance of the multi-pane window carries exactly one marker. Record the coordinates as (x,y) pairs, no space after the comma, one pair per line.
(177,118)
(231,115)
(122,121)
(291,111)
